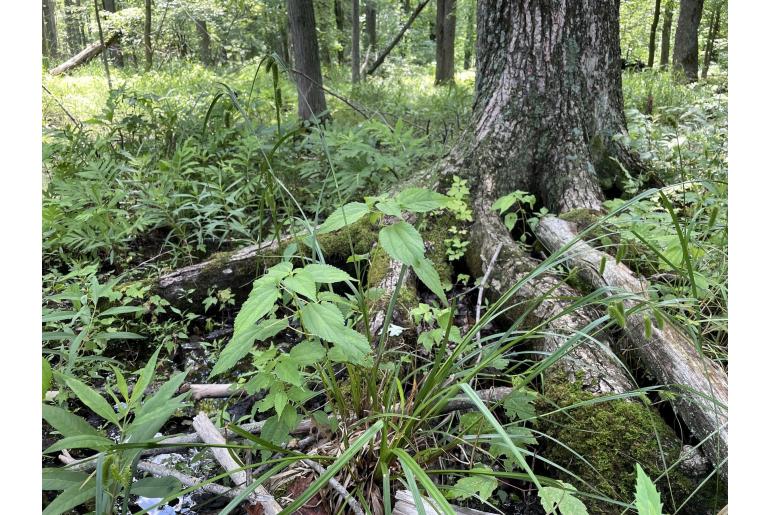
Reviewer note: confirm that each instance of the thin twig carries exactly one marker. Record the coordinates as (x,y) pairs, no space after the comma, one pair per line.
(481,291)
(74,120)
(352,502)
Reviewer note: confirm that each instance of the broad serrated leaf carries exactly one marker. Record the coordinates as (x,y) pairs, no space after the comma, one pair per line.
(322,273)
(520,404)
(307,352)
(68,424)
(552,498)
(259,304)
(474,485)
(647,499)
(322,319)
(241,344)
(301,283)
(342,216)
(350,347)
(419,200)
(389,207)
(288,370)
(430,278)
(92,399)
(402,242)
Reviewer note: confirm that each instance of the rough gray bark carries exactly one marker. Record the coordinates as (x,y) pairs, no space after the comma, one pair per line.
(204,41)
(355,42)
(549,101)
(370,12)
(109,6)
(376,64)
(85,55)
(446,22)
(686,39)
(470,36)
(708,55)
(71,24)
(50,35)
(653,35)
(665,38)
(667,354)
(310,95)
(147,35)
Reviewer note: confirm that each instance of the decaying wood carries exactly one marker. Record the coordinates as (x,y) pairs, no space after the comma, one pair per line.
(668,354)
(211,391)
(210,434)
(85,55)
(405,506)
(235,270)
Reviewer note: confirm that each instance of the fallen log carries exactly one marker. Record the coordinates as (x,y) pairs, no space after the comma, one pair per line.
(209,434)
(668,354)
(85,55)
(187,287)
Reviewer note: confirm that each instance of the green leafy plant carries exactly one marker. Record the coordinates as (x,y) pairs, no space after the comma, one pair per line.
(136,416)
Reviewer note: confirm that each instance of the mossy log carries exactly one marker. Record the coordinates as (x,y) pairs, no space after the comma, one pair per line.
(187,287)
(668,354)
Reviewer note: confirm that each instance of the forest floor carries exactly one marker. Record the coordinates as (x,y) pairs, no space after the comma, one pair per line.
(176,167)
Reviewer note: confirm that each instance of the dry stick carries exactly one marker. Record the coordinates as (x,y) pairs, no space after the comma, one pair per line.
(74,120)
(156,470)
(376,64)
(352,502)
(211,435)
(481,291)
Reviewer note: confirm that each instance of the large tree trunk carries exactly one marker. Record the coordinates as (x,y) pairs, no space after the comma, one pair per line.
(72,25)
(686,39)
(653,35)
(109,6)
(50,35)
(204,40)
(310,95)
(665,38)
(147,35)
(446,21)
(355,42)
(85,55)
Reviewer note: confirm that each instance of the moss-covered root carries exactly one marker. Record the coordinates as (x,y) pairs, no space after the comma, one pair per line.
(612,437)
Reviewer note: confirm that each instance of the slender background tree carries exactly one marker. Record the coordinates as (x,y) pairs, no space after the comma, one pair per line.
(311,100)
(686,39)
